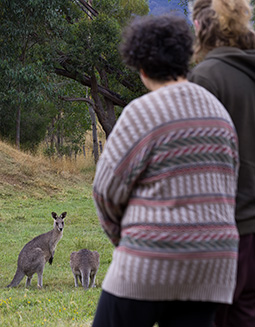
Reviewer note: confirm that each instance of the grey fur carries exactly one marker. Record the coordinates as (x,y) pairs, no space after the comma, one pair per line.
(84,264)
(37,252)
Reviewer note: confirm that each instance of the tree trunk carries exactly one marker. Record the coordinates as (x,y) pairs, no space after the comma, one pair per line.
(100,147)
(84,150)
(103,116)
(18,120)
(52,134)
(105,111)
(109,106)
(94,133)
(59,137)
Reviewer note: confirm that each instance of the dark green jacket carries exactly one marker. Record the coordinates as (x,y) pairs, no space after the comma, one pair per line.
(229,73)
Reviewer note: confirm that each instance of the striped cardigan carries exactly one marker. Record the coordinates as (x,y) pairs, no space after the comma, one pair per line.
(165,190)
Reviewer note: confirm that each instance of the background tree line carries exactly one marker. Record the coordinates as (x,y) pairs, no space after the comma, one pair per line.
(61,71)
(60,66)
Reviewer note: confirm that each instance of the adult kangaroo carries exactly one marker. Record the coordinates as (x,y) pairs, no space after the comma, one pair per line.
(37,252)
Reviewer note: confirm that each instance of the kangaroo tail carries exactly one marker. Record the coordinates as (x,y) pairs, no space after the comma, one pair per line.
(85,279)
(19,275)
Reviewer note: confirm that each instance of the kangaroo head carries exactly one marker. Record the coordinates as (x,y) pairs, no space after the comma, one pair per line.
(59,221)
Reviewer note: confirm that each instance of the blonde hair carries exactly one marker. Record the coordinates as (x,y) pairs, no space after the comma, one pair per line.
(222,23)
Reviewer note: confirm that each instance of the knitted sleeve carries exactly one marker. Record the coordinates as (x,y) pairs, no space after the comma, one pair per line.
(111,195)
(120,166)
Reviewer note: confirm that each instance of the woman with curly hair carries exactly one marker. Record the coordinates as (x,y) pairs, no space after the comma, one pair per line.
(225,51)
(164,190)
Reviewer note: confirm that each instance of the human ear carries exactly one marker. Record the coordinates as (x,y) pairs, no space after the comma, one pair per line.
(142,73)
(144,78)
(197,25)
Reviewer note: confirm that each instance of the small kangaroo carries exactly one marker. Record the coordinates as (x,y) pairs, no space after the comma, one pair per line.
(37,252)
(84,264)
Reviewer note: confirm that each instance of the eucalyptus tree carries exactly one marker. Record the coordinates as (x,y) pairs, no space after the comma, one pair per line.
(75,39)
(89,55)
(25,26)
(69,121)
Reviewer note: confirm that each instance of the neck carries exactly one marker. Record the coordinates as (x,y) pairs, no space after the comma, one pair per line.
(153,85)
(56,231)
(158,85)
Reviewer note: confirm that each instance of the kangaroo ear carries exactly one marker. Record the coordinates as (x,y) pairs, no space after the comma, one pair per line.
(54,215)
(63,215)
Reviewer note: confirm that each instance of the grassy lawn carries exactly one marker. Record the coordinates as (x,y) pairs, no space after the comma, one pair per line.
(26,201)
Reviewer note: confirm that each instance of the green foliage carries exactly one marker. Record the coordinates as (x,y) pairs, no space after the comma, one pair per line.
(35,121)
(26,23)
(24,83)
(71,120)
(38,36)
(89,40)
(90,43)
(20,82)
(23,86)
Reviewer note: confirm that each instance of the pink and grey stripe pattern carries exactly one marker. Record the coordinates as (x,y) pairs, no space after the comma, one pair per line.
(180,241)
(165,191)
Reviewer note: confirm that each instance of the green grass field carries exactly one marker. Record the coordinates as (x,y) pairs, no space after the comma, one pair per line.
(27,198)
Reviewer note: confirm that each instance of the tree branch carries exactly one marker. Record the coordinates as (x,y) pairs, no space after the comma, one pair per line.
(119,75)
(86,80)
(88,8)
(77,99)
(83,9)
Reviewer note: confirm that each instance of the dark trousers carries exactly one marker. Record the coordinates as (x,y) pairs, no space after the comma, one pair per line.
(242,312)
(113,311)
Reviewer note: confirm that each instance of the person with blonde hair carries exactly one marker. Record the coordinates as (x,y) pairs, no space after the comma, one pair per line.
(224,50)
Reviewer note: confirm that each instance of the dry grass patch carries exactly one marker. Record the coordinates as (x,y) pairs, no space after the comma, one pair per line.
(35,174)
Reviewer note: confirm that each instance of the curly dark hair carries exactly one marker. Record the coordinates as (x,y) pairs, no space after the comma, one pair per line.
(159,45)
